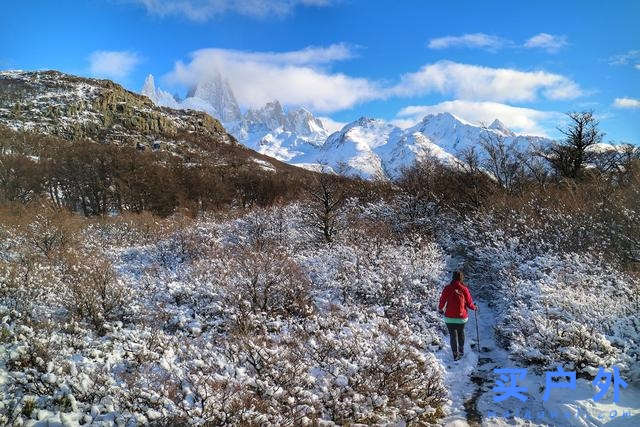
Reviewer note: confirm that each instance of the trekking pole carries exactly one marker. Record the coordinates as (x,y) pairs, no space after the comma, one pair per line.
(477,331)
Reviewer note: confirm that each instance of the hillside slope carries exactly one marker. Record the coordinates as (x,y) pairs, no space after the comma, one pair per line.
(77,108)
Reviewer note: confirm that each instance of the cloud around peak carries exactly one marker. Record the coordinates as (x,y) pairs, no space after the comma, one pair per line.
(295,77)
(305,78)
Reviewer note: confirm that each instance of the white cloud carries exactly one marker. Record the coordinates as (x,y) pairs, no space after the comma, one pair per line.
(202,10)
(294,78)
(473,82)
(308,56)
(525,120)
(637,67)
(331,125)
(304,78)
(475,40)
(113,64)
(626,103)
(625,58)
(549,42)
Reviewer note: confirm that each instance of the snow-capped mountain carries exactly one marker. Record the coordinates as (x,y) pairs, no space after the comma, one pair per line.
(219,95)
(377,149)
(286,136)
(270,130)
(370,148)
(352,150)
(454,134)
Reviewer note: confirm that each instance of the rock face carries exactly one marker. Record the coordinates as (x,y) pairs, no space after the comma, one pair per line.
(72,107)
(217,92)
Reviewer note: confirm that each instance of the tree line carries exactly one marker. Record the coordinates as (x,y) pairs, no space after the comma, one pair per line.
(97,179)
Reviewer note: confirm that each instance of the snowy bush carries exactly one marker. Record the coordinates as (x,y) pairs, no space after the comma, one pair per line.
(45,230)
(376,372)
(267,281)
(560,296)
(93,291)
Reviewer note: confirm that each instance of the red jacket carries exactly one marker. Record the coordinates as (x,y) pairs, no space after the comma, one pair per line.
(457,298)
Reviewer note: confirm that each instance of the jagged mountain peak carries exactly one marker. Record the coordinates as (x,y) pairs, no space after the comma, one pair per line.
(444,118)
(274,106)
(365,133)
(499,126)
(216,91)
(157,95)
(367,121)
(149,87)
(371,147)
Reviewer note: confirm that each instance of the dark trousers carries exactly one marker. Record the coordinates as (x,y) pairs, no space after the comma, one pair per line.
(456,335)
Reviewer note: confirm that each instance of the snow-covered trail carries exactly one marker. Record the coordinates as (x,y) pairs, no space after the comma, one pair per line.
(471,381)
(469,378)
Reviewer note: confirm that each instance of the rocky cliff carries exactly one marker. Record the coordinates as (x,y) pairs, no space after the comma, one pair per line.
(72,107)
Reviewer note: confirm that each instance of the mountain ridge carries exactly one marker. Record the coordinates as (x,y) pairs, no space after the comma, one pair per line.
(76,108)
(367,147)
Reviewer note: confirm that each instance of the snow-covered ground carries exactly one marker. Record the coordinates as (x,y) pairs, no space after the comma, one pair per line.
(254,319)
(472,379)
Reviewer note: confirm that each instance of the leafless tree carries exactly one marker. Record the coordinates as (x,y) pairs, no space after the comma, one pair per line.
(469,160)
(503,159)
(570,156)
(328,196)
(535,165)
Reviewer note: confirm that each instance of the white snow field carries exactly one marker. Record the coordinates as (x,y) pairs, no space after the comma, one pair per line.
(253,319)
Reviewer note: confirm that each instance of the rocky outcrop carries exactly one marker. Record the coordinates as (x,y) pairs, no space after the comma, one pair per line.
(79,108)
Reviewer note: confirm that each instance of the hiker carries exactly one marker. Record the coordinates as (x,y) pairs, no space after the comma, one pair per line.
(457,298)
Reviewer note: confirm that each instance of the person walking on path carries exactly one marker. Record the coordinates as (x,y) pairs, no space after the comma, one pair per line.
(457,298)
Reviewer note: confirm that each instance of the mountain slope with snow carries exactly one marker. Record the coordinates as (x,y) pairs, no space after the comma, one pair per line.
(287,136)
(369,148)
(376,149)
(71,107)
(74,108)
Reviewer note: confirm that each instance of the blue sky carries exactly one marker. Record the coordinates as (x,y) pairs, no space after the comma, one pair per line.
(524,63)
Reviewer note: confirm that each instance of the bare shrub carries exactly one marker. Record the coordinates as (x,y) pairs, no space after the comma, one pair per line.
(94,294)
(47,230)
(129,228)
(327,197)
(503,160)
(179,242)
(379,377)
(267,281)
